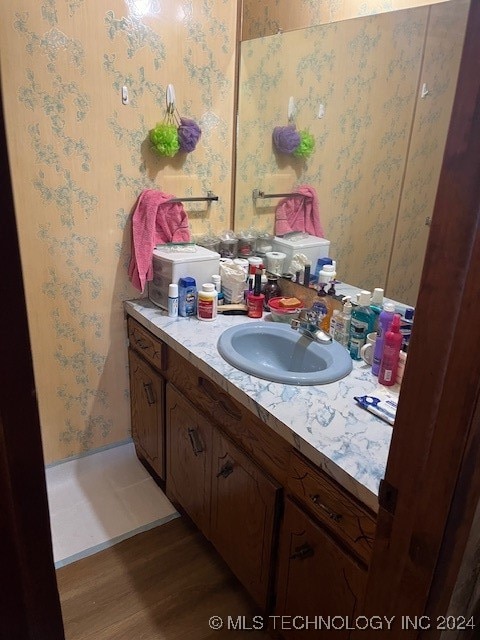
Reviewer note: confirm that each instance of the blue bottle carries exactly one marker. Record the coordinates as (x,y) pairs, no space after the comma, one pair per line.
(384,321)
(362,323)
(187,297)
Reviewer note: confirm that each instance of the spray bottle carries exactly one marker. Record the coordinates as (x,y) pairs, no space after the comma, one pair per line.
(391,351)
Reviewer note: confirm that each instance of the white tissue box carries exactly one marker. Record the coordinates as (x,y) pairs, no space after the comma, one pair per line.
(310,246)
(170,266)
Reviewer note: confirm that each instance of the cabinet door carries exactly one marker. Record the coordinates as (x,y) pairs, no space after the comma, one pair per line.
(147,391)
(316,578)
(243,516)
(189,438)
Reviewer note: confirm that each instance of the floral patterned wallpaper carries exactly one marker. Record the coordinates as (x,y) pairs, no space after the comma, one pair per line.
(379,144)
(273,16)
(79,159)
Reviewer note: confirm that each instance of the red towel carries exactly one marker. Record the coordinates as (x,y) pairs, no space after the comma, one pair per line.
(155,220)
(299,213)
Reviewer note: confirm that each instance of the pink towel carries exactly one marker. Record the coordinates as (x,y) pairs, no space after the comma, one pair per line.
(155,220)
(297,213)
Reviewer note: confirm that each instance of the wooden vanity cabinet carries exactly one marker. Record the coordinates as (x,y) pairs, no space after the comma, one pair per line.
(316,577)
(232,501)
(230,472)
(147,357)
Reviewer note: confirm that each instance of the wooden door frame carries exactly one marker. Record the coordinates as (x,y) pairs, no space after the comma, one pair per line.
(432,484)
(432,481)
(29,604)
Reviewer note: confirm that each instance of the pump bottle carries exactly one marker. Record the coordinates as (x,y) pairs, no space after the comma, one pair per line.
(342,323)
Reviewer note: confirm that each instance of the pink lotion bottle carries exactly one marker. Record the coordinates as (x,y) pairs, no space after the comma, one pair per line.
(391,351)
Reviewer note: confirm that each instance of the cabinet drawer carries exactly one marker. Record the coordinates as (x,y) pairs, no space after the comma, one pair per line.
(330,504)
(148,345)
(246,429)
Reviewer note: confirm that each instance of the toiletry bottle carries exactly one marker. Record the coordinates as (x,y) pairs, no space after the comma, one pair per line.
(207,302)
(402,359)
(376,304)
(406,324)
(333,323)
(342,323)
(217,281)
(363,320)
(391,351)
(173,300)
(187,296)
(306,274)
(377,298)
(326,275)
(321,307)
(384,321)
(255,298)
(272,289)
(321,262)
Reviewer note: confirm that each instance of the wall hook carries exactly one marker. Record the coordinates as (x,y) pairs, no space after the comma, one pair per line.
(291,109)
(170,97)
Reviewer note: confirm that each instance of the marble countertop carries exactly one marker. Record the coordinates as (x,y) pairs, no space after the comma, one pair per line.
(323,422)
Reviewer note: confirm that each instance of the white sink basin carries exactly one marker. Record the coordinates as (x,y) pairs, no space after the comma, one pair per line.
(276,352)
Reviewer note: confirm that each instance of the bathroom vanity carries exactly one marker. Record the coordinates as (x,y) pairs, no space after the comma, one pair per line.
(281,479)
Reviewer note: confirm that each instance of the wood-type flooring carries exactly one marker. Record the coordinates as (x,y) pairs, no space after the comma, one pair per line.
(163,584)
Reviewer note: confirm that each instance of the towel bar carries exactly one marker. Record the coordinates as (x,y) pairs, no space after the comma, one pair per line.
(208,198)
(261,194)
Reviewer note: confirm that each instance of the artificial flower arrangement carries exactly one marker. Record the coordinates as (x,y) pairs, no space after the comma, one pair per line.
(290,141)
(175,133)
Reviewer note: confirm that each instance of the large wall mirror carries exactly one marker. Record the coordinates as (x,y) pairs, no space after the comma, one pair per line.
(376,92)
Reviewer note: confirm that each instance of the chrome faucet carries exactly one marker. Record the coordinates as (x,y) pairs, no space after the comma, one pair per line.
(308,323)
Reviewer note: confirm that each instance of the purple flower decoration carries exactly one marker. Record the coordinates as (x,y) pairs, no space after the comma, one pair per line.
(286,139)
(188,134)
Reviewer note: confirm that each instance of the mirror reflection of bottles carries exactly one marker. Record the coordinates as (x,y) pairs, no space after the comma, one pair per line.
(362,323)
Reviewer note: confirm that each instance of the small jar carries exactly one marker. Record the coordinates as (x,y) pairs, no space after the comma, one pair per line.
(263,244)
(229,247)
(275,261)
(271,290)
(207,302)
(246,244)
(209,242)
